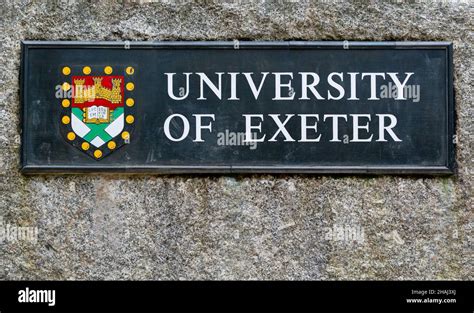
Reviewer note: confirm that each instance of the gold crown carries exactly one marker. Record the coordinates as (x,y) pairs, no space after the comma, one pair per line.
(97,91)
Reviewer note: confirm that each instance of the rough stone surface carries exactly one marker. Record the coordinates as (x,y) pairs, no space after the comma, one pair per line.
(236,227)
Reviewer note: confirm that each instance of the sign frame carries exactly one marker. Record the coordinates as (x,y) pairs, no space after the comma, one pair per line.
(446,169)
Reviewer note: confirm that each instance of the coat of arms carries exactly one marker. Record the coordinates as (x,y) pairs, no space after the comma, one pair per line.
(97,114)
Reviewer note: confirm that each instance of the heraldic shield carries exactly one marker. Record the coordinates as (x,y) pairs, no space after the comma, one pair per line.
(98,109)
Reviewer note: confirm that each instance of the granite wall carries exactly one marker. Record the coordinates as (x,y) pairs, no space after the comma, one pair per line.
(236,227)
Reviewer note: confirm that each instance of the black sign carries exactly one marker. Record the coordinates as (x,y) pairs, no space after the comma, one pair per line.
(225,107)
